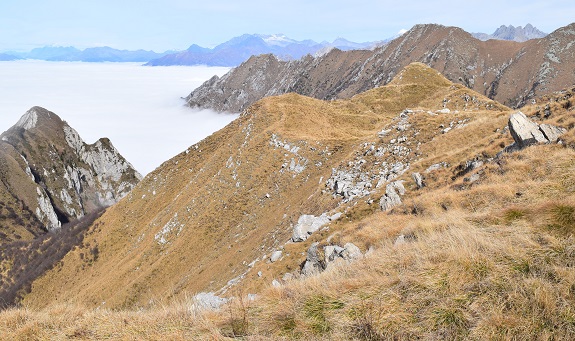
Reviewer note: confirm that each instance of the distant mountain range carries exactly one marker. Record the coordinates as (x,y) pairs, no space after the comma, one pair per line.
(240,49)
(510,32)
(489,67)
(236,50)
(94,54)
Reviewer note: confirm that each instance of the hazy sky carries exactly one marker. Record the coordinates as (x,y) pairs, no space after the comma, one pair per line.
(176,24)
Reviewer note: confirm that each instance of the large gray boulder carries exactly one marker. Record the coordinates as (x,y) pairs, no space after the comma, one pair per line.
(526,132)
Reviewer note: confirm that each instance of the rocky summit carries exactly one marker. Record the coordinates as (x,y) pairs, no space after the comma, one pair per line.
(509,72)
(50,176)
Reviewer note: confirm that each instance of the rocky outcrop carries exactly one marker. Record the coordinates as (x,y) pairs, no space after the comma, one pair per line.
(536,67)
(318,258)
(52,171)
(308,224)
(391,198)
(526,132)
(418,178)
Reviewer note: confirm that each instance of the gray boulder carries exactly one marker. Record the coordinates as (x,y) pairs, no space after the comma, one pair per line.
(314,262)
(526,132)
(308,224)
(418,178)
(276,255)
(552,133)
(351,252)
(392,198)
(332,252)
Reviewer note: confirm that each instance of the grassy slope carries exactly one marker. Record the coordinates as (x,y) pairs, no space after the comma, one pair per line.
(489,259)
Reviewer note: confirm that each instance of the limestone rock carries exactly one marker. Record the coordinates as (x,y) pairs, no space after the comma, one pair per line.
(70,177)
(526,132)
(308,224)
(418,178)
(208,300)
(314,262)
(351,252)
(332,252)
(392,198)
(552,133)
(276,255)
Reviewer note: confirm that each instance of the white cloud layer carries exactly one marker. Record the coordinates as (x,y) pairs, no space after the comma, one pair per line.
(139,108)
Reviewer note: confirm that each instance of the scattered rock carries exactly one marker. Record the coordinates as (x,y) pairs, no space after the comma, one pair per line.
(404,238)
(418,178)
(392,198)
(276,255)
(208,300)
(436,166)
(314,262)
(351,252)
(336,216)
(276,283)
(308,224)
(400,240)
(552,133)
(332,252)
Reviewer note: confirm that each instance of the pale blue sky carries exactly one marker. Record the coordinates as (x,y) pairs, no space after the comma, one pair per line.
(176,24)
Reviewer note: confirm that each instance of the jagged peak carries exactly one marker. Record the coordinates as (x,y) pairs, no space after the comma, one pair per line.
(30,119)
(40,118)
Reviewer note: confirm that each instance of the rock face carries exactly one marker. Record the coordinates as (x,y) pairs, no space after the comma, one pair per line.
(48,168)
(526,132)
(536,66)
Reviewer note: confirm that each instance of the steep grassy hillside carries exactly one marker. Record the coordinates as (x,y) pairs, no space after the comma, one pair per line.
(206,219)
(483,251)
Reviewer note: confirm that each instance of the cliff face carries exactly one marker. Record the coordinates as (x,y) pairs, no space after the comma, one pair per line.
(509,72)
(51,176)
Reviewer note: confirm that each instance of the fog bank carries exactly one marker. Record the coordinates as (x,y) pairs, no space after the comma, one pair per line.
(138,108)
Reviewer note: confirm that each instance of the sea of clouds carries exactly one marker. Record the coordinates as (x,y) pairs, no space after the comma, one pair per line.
(140,109)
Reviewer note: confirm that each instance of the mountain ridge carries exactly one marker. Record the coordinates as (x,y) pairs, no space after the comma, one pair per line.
(485,66)
(224,193)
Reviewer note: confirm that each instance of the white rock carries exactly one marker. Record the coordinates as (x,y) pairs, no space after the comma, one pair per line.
(276,255)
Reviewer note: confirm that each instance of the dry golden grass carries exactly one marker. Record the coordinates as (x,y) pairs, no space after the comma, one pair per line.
(490,259)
